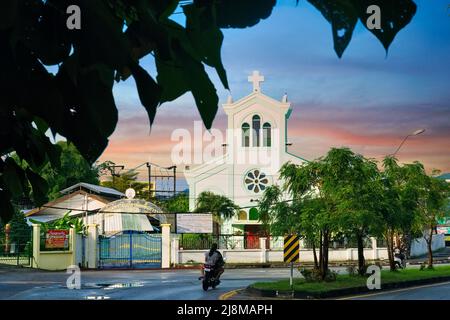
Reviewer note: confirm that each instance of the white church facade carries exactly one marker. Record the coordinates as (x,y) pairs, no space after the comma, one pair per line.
(256,148)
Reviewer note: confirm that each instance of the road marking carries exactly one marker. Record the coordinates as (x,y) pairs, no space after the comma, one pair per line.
(394,291)
(228,295)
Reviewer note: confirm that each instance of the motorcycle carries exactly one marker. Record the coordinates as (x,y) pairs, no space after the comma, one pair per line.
(210,278)
(399,260)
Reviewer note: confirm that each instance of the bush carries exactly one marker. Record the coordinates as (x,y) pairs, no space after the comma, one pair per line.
(352,270)
(314,275)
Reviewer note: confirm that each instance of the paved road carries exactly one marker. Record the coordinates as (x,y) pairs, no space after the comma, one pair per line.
(428,292)
(136,284)
(28,284)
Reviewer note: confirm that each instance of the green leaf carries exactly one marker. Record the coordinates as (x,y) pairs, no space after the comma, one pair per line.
(395,15)
(170,78)
(39,185)
(206,37)
(14,177)
(149,91)
(187,74)
(342,15)
(241,13)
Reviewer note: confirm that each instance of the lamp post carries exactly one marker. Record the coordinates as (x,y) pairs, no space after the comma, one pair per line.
(415,133)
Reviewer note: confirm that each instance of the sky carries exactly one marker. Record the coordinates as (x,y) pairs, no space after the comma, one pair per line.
(367,101)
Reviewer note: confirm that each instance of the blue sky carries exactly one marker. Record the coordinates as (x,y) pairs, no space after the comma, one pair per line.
(367,100)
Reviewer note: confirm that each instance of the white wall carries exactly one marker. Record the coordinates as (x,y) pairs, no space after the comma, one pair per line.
(419,246)
(256,256)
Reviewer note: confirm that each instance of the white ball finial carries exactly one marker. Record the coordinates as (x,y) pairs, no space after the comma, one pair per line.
(285,98)
(230,99)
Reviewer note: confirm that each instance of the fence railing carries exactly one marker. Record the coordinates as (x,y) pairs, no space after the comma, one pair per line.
(204,242)
(16,252)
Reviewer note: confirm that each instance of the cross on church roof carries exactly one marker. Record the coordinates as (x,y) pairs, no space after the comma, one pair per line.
(256,78)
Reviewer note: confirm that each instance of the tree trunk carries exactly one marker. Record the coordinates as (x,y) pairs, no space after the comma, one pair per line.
(361,259)
(325,245)
(316,264)
(390,249)
(430,249)
(320,252)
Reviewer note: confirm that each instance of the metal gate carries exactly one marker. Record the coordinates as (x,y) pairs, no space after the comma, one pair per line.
(17,252)
(130,249)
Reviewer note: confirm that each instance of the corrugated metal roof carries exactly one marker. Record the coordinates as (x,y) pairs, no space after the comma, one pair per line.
(116,222)
(445,176)
(94,188)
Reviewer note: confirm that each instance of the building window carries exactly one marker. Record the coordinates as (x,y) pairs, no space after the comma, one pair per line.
(256,125)
(245,135)
(242,215)
(254,214)
(256,181)
(267,135)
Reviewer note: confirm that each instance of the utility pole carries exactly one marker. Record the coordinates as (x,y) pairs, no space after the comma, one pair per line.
(149,168)
(112,169)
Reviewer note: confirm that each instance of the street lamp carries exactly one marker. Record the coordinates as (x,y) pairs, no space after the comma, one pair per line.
(415,133)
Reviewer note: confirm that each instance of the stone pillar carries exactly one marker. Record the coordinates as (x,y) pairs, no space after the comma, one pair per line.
(165,245)
(374,249)
(175,251)
(91,246)
(262,245)
(36,245)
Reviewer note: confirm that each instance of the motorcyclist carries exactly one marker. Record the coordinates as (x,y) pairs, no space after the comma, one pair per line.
(213,258)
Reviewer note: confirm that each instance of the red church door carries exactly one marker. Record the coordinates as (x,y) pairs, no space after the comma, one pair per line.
(252,236)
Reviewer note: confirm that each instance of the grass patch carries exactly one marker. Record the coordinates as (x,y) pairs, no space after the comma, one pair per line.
(347,281)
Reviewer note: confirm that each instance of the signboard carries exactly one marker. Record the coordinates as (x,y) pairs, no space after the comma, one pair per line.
(57,239)
(443,230)
(292,248)
(194,223)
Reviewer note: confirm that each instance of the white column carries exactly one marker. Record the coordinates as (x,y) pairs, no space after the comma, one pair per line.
(165,246)
(175,251)
(374,248)
(36,245)
(92,247)
(262,245)
(73,246)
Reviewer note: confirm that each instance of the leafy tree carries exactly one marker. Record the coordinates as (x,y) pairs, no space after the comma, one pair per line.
(431,199)
(77,102)
(355,197)
(125,180)
(20,231)
(397,204)
(220,206)
(179,203)
(72,170)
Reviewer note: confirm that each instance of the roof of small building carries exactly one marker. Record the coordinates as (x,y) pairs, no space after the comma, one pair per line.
(94,189)
(445,176)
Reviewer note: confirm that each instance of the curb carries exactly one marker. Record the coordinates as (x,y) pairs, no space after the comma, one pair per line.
(341,292)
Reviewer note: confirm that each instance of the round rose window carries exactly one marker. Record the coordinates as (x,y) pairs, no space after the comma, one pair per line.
(256,181)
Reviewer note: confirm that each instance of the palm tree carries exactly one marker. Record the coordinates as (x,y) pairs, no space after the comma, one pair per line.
(220,206)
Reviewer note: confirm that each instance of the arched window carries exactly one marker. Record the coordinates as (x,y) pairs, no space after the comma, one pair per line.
(267,135)
(242,215)
(245,135)
(254,214)
(256,124)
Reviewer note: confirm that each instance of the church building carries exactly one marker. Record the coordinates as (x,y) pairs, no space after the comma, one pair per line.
(256,148)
